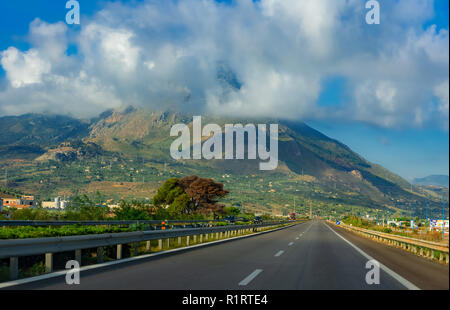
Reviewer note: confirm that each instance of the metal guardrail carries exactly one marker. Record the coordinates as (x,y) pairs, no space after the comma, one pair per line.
(14,248)
(96,223)
(33,246)
(421,247)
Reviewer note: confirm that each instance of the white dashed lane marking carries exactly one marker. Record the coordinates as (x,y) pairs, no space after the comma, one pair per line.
(250,277)
(279,253)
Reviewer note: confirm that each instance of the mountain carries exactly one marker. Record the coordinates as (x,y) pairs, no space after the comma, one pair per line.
(437,180)
(125,153)
(27,136)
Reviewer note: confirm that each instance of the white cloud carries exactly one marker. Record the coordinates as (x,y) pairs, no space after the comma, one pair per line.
(112,48)
(441,91)
(275,54)
(23,68)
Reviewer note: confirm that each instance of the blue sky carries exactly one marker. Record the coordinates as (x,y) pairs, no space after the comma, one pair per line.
(410,153)
(330,101)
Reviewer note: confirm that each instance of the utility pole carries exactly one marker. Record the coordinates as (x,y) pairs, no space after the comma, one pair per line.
(443,216)
(401,219)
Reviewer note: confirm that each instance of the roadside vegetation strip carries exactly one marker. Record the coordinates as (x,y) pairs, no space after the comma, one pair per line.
(431,236)
(23,232)
(99,223)
(173,247)
(428,249)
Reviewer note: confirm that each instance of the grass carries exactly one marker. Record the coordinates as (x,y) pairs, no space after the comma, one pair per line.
(433,236)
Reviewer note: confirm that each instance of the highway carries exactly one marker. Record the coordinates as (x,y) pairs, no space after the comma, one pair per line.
(309,256)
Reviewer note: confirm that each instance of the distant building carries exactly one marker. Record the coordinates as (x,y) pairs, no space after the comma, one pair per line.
(28,200)
(21,206)
(9,202)
(18,203)
(57,204)
(437,224)
(393,223)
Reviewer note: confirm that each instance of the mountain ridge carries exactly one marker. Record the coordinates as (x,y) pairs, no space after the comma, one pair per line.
(342,177)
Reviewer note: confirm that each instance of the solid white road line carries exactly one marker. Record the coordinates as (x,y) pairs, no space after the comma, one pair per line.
(290,243)
(297,238)
(250,277)
(279,253)
(390,272)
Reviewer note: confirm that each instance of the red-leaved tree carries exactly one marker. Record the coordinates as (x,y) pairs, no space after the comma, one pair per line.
(204,194)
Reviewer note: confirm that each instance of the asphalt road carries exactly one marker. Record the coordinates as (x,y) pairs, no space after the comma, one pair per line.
(312,255)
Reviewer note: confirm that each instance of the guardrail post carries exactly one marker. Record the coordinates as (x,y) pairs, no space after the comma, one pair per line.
(187,240)
(48,262)
(160,245)
(100,254)
(195,238)
(78,256)
(119,251)
(148,246)
(168,242)
(217,235)
(441,257)
(179,240)
(201,238)
(14,268)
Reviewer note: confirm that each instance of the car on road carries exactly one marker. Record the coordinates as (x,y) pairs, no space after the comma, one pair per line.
(257,220)
(230,218)
(242,219)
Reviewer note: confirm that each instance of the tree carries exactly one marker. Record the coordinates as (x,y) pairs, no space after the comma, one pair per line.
(180,205)
(132,211)
(232,211)
(190,195)
(203,194)
(82,208)
(167,193)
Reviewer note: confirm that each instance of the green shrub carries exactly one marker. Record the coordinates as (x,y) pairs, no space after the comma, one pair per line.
(4,273)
